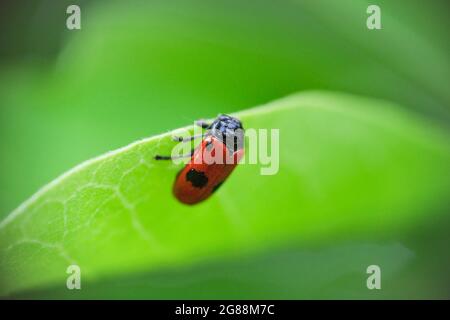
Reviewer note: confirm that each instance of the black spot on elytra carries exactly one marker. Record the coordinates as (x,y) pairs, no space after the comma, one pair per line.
(197,178)
(217,186)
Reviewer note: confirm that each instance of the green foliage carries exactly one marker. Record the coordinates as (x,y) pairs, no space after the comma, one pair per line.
(141,68)
(353,173)
(362,181)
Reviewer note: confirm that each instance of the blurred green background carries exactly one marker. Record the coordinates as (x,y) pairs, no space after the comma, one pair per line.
(139,68)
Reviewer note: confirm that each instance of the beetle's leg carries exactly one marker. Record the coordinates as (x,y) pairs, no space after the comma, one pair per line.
(200,123)
(159,157)
(186,139)
(203,124)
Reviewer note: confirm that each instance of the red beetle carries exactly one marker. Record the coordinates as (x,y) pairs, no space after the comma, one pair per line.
(211,162)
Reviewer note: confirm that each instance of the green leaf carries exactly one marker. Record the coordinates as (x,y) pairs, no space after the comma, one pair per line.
(353,173)
(162,64)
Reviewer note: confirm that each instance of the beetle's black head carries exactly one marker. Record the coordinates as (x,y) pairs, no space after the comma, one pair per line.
(229,130)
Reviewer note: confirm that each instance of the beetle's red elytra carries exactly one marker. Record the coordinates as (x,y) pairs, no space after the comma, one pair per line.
(223,140)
